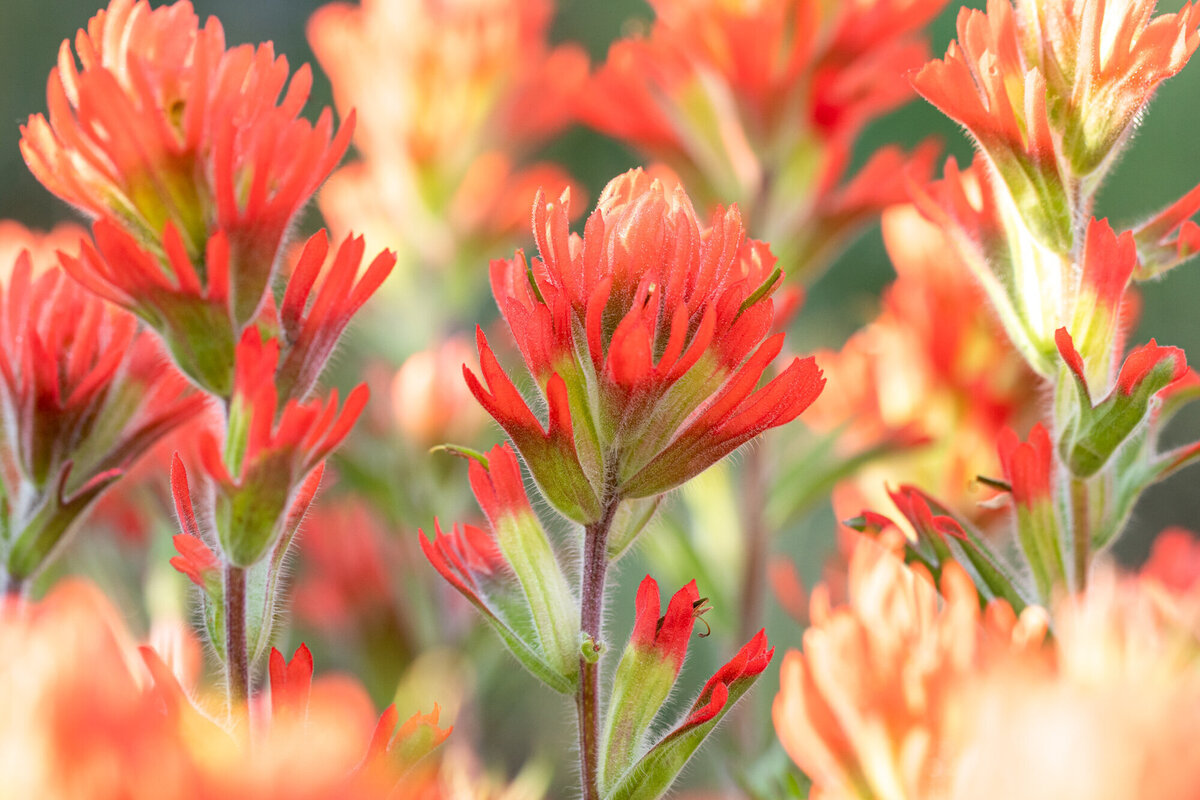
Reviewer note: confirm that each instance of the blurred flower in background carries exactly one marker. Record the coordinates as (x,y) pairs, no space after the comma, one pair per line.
(454,98)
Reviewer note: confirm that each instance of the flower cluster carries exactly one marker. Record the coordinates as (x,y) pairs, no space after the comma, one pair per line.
(762,102)
(83,393)
(647,337)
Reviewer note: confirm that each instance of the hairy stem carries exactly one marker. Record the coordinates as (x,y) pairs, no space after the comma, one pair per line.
(237,661)
(591,612)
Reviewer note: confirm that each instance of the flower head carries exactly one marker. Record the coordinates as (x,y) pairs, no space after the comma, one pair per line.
(648,336)
(193,164)
(158,123)
(1051,90)
(268,468)
(83,394)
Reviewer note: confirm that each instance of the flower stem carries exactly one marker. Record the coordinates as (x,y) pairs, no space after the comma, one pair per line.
(591,611)
(1081,531)
(237,661)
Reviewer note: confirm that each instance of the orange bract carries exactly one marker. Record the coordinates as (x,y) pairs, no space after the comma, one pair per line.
(933,374)
(88,715)
(871,705)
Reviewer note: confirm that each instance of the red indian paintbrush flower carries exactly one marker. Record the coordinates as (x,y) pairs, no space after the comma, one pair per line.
(647,336)
(193,163)
(159,122)
(272,457)
(1097,428)
(1051,90)
(83,394)
(1030,468)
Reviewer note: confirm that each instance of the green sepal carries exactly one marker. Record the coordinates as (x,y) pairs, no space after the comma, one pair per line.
(653,774)
(631,519)
(641,685)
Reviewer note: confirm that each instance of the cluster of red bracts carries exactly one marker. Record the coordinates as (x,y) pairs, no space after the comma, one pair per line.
(83,393)
(512,574)
(648,337)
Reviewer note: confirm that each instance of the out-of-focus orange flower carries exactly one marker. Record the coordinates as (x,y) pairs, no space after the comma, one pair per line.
(934,369)
(761,103)
(1117,716)
(869,707)
(452,97)
(87,715)
(430,402)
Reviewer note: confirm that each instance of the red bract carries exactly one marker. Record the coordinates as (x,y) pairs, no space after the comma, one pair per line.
(269,467)
(1151,357)
(291,683)
(665,637)
(645,678)
(468,559)
(513,576)
(193,317)
(747,665)
(160,123)
(648,337)
(311,324)
(1027,465)
(82,394)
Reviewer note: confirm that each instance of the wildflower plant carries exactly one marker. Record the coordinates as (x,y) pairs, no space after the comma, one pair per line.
(647,337)
(996,422)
